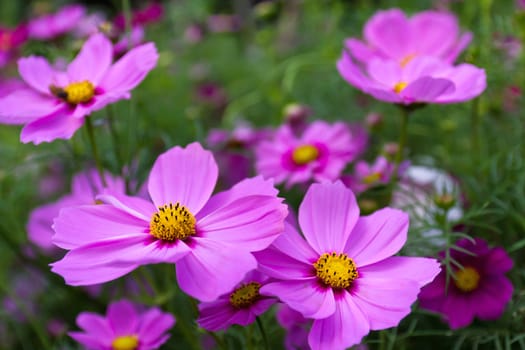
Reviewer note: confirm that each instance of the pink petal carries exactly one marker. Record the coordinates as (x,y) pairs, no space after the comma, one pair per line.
(59,125)
(290,242)
(212,269)
(420,270)
(346,327)
(251,223)
(93,60)
(497,262)
(122,317)
(386,72)
(77,274)
(95,325)
(25,105)
(37,73)
(134,206)
(81,225)
(389,32)
(327,215)
(153,324)
(307,297)
(462,43)
(216,315)
(427,89)
(385,301)
(90,341)
(277,264)
(378,236)
(39,229)
(493,297)
(130,70)
(252,186)
(359,50)
(185,175)
(459,310)
(436,32)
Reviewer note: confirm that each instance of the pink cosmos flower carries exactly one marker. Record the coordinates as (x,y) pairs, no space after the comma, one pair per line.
(369,175)
(343,274)
(54,103)
(424,79)
(320,153)
(296,326)
(129,40)
(53,25)
(210,240)
(390,35)
(10,41)
(84,188)
(478,287)
(123,327)
(240,306)
(153,12)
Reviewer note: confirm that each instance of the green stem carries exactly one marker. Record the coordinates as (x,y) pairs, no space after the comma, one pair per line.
(403,131)
(114,138)
(474,130)
(91,136)
(263,332)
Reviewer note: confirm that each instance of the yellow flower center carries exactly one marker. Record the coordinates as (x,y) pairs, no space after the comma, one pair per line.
(245,295)
(75,93)
(372,178)
(172,222)
(467,279)
(125,342)
(304,154)
(400,87)
(336,270)
(406,60)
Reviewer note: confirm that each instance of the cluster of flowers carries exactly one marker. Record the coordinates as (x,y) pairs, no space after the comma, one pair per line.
(241,250)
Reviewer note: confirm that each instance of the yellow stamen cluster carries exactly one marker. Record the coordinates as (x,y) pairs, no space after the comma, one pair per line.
(400,87)
(336,270)
(172,222)
(75,93)
(125,342)
(372,178)
(245,295)
(467,279)
(304,154)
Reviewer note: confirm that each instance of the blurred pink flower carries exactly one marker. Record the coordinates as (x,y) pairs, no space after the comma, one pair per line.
(424,79)
(223,23)
(478,288)
(53,25)
(320,153)
(343,274)
(390,35)
(296,326)
(124,327)
(153,12)
(367,175)
(128,41)
(239,306)
(53,104)
(10,41)
(209,238)
(84,188)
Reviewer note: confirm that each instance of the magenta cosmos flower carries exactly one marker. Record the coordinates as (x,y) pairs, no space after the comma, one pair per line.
(320,153)
(123,328)
(391,35)
(478,288)
(10,41)
(424,79)
(240,306)
(55,24)
(84,187)
(367,175)
(53,104)
(343,274)
(209,239)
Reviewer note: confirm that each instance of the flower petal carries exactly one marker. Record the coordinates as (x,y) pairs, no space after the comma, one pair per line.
(93,60)
(85,224)
(122,317)
(216,315)
(306,297)
(275,263)
(389,32)
(378,236)
(59,125)
(37,73)
(427,89)
(212,269)
(251,223)
(25,105)
(153,324)
(291,243)
(185,175)
(94,325)
(327,215)
(134,206)
(493,297)
(130,70)
(346,327)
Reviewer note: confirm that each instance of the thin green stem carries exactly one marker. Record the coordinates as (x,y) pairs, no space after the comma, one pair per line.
(263,332)
(114,137)
(91,136)
(403,132)
(474,130)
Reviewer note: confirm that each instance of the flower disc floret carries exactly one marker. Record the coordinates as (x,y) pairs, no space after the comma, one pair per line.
(172,222)
(336,270)
(74,93)
(245,295)
(467,279)
(305,154)
(125,342)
